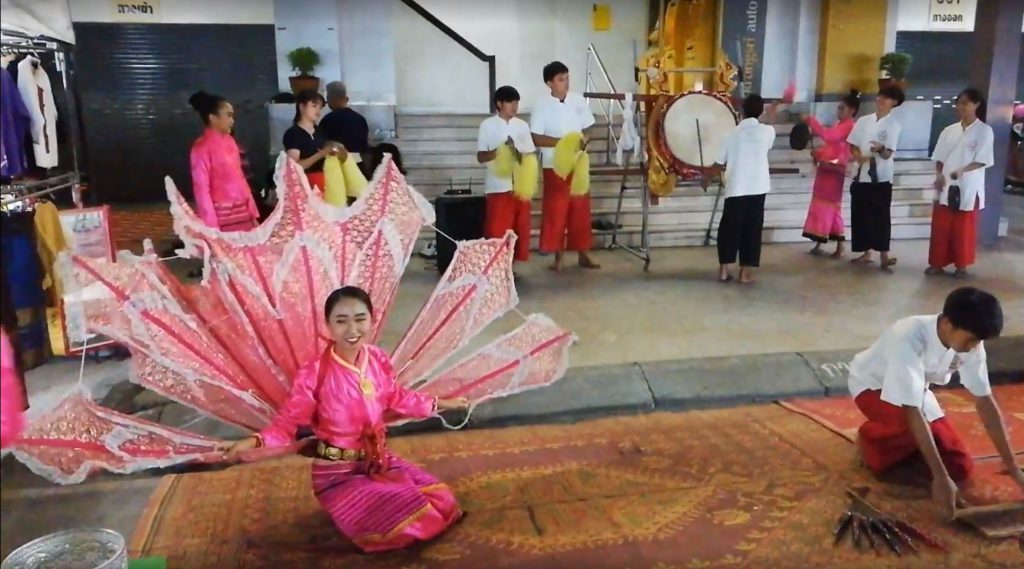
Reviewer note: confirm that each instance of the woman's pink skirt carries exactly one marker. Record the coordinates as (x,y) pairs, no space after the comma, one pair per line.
(825,215)
(407,506)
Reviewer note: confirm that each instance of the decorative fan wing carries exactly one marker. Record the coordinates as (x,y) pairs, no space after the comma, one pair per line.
(534,355)
(176,353)
(477,288)
(79,437)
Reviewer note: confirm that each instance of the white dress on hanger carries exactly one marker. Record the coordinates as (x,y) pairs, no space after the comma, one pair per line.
(36,92)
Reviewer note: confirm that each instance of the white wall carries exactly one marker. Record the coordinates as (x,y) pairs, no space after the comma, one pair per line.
(185,11)
(433,73)
(367,46)
(791,47)
(309,23)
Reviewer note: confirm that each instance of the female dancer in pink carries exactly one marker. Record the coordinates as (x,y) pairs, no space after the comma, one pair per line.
(223,198)
(347,395)
(825,214)
(12,402)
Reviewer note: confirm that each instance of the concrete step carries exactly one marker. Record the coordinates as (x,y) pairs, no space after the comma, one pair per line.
(702,202)
(692,234)
(426,155)
(422,176)
(676,216)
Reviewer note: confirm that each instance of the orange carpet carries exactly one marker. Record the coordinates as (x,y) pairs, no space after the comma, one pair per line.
(841,415)
(757,487)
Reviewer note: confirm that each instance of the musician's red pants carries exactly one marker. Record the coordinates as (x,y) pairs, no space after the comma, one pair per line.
(565,220)
(886,440)
(504,212)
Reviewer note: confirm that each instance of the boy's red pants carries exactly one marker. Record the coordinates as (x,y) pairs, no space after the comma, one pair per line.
(886,440)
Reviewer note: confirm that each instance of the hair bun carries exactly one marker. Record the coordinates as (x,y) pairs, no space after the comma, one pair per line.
(200,100)
(855,93)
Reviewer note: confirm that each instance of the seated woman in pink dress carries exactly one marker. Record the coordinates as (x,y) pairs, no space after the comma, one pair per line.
(12,402)
(825,215)
(377,500)
(223,198)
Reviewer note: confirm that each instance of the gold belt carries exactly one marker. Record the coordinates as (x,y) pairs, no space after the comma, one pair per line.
(328,452)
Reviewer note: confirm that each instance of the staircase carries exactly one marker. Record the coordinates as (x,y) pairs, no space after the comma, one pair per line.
(439,151)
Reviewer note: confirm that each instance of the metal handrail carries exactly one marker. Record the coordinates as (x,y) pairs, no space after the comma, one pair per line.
(492,73)
(611,139)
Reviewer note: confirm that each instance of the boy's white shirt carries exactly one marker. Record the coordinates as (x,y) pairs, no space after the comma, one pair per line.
(908,358)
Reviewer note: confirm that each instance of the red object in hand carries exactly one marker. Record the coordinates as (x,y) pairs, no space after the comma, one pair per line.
(790,93)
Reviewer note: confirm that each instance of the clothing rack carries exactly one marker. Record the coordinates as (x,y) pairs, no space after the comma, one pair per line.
(17,191)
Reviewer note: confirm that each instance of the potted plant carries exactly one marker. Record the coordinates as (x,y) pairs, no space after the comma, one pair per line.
(304,60)
(895,65)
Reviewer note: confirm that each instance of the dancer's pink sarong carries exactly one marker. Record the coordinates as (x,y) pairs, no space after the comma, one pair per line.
(12,402)
(825,215)
(380,502)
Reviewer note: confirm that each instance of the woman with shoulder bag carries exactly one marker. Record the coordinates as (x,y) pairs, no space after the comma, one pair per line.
(963,152)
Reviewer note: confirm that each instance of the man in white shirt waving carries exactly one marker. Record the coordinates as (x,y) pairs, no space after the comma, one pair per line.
(890,385)
(504,210)
(873,142)
(565,221)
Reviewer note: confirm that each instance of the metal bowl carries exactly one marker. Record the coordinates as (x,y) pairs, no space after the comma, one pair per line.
(72,549)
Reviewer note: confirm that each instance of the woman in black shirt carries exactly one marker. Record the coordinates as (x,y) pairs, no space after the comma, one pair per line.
(305,143)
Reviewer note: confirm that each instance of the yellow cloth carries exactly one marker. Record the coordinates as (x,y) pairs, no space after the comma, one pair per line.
(504,161)
(565,153)
(355,181)
(580,184)
(334,182)
(49,242)
(342,181)
(525,177)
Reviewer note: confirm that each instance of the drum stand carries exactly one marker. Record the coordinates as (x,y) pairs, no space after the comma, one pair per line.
(644,250)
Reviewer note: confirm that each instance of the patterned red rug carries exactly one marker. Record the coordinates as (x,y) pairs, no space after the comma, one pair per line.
(756,487)
(840,415)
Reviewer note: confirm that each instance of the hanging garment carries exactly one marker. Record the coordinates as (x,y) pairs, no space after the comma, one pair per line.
(14,124)
(37,94)
(24,278)
(49,243)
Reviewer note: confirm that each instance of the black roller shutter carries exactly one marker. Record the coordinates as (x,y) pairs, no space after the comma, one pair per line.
(134,81)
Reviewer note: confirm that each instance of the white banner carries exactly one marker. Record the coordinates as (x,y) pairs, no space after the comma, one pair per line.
(951,15)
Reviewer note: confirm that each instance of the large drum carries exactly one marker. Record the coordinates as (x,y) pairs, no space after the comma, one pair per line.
(689,130)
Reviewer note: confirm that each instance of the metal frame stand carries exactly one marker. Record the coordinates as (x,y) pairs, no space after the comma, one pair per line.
(644,251)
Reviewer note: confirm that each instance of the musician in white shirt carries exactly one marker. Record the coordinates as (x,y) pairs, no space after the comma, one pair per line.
(744,157)
(964,150)
(504,210)
(873,142)
(890,384)
(565,219)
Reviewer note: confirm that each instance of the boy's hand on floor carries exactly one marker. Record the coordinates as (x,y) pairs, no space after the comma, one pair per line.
(945,494)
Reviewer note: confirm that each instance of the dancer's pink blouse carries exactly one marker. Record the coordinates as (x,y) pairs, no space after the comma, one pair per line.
(217,176)
(349,399)
(11,400)
(836,148)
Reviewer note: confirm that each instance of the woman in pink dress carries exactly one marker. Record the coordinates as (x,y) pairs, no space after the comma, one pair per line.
(223,197)
(825,215)
(12,402)
(346,396)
